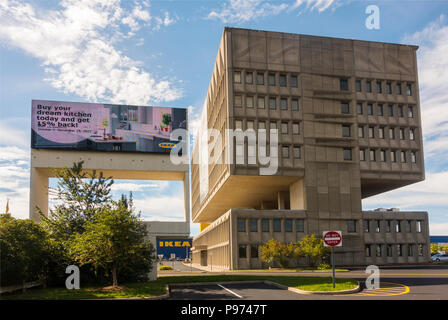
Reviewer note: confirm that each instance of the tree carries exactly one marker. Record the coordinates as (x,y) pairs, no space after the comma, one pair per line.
(114,241)
(274,251)
(435,248)
(313,248)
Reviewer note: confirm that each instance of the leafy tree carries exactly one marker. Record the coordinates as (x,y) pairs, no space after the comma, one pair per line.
(435,248)
(24,250)
(274,251)
(313,248)
(114,241)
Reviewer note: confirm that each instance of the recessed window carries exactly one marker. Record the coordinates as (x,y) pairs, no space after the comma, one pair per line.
(369,86)
(383,155)
(398,226)
(366,225)
(265,225)
(345,131)
(260,78)
(413,157)
(389,250)
(402,133)
(285,152)
(378,250)
(398,88)
(272,103)
(388,224)
(282,79)
(261,125)
(390,110)
(347,154)
(238,101)
(300,225)
(284,127)
(283,104)
(370,109)
(400,111)
(393,156)
(409,89)
(379,88)
(242,251)
(296,152)
(372,155)
(359,108)
(343,84)
(295,104)
(418,225)
(408,225)
(391,133)
(249,78)
(358,86)
(250,124)
(351,226)
(362,155)
(239,124)
(273,125)
(399,250)
(293,81)
(345,107)
(388,88)
(271,79)
(420,250)
(371,132)
(237,77)
(288,225)
(410,112)
(403,156)
(295,128)
(361,132)
(380,109)
(368,248)
(249,102)
(241,225)
(253,225)
(254,251)
(410,250)
(377,225)
(261,103)
(381,132)
(277,225)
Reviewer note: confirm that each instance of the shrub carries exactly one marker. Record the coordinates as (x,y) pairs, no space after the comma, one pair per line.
(274,251)
(165,268)
(323,266)
(313,248)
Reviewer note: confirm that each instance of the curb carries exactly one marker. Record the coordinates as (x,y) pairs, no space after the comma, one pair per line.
(354,290)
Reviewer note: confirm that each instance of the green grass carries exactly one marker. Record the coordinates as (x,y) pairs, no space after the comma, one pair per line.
(158,287)
(294,270)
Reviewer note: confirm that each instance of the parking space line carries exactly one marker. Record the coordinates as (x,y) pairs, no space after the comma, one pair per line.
(230,291)
(385,289)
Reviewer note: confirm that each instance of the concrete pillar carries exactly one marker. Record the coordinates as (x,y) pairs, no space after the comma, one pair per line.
(297,197)
(38,193)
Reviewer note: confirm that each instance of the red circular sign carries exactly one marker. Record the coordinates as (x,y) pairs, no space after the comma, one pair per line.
(332,238)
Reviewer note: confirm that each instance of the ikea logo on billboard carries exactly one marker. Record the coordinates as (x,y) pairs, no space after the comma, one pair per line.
(176,244)
(166,145)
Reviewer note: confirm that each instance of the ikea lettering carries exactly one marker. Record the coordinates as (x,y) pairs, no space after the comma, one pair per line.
(181,247)
(174,244)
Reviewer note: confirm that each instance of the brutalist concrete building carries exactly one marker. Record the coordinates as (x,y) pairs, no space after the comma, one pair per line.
(348,118)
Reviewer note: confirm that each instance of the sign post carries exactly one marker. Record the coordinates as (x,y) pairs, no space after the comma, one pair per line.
(332,239)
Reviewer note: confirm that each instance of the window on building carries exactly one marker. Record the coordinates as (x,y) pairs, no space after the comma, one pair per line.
(399,250)
(250,124)
(368,86)
(277,225)
(253,225)
(343,84)
(383,155)
(413,157)
(380,109)
(273,125)
(347,154)
(368,252)
(370,109)
(300,225)
(285,152)
(366,225)
(390,110)
(412,134)
(388,88)
(418,225)
(295,104)
(284,127)
(242,251)
(345,107)
(391,133)
(379,88)
(260,78)
(282,79)
(410,112)
(408,225)
(241,225)
(398,88)
(377,225)
(351,226)
(239,124)
(362,155)
(261,103)
(272,103)
(254,251)
(381,132)
(389,250)
(293,81)
(372,155)
(296,152)
(409,89)
(295,128)
(288,225)
(237,77)
(271,79)
(398,226)
(283,104)
(261,125)
(402,134)
(378,250)
(265,225)
(410,250)
(393,156)
(249,78)
(361,132)
(400,111)
(420,250)
(238,100)
(403,156)
(359,108)
(249,102)
(371,132)
(346,131)
(358,85)
(388,224)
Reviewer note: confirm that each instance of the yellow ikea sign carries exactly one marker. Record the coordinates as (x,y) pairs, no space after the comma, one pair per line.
(174,244)
(166,145)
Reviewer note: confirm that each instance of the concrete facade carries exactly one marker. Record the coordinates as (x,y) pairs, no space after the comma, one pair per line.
(349,122)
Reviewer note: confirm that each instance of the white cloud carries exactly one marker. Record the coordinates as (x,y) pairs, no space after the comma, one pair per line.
(241,11)
(12,153)
(11,134)
(161,208)
(128,186)
(438,229)
(75,45)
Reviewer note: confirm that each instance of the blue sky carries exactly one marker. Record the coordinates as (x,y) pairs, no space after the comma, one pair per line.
(163,52)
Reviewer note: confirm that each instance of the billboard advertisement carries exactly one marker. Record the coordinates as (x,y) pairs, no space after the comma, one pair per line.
(104,127)
(179,247)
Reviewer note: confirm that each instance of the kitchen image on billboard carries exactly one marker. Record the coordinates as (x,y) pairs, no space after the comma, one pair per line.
(104,127)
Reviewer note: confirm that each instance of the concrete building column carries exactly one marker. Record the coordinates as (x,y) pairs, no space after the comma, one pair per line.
(38,192)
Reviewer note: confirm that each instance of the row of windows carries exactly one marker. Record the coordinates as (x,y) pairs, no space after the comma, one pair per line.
(380,109)
(346,132)
(262,101)
(383,155)
(259,78)
(251,152)
(261,125)
(389,87)
(242,250)
(388,224)
(277,225)
(379,250)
